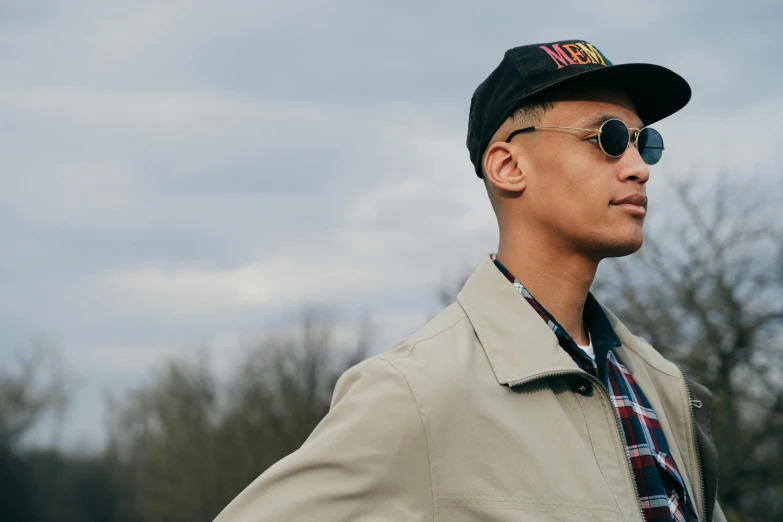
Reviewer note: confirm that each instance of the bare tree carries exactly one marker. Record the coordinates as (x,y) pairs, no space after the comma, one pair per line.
(29,390)
(162,444)
(188,443)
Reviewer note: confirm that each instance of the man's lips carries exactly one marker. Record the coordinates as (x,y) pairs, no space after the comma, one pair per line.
(636,204)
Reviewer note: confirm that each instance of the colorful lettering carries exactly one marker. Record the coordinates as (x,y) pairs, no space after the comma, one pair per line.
(592,53)
(576,53)
(559,56)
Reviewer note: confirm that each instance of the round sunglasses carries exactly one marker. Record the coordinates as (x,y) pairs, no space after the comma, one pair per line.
(614,136)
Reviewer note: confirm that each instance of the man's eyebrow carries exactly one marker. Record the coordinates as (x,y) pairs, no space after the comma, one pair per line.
(597,119)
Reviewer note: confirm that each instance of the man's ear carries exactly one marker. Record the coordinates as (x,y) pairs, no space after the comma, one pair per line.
(502,168)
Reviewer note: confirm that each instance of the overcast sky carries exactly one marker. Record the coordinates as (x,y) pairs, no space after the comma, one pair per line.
(185,172)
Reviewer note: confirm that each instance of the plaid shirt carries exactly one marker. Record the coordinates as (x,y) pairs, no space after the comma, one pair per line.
(661,489)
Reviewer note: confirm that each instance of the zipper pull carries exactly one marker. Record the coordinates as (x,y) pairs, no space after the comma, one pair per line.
(696,403)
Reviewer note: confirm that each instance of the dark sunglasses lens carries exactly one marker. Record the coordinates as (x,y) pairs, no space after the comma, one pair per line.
(650,145)
(614,137)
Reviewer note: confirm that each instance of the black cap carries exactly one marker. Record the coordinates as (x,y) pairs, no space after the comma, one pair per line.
(531,70)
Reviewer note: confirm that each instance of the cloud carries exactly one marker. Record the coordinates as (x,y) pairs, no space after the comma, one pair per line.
(734,140)
(424,178)
(134,31)
(170,116)
(132,358)
(89,188)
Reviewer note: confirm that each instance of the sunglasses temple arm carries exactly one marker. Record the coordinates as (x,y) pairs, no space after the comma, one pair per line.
(520,131)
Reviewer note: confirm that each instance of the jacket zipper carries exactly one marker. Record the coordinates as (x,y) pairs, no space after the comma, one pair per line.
(692,403)
(617,420)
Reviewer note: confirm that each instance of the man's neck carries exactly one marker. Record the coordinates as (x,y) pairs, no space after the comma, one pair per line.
(559,279)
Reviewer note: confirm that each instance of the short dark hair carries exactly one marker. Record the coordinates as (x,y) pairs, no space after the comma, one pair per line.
(533,110)
(530,112)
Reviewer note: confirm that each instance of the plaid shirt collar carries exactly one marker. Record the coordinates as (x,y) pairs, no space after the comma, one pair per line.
(661,490)
(601,332)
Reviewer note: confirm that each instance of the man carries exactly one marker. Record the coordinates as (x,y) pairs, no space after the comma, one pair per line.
(525,399)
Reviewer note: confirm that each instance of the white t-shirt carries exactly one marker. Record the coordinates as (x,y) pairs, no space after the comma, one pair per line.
(589,348)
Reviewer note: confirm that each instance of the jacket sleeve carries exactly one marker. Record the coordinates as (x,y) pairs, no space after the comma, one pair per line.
(366,460)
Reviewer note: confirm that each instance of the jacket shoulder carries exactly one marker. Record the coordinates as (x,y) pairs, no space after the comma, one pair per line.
(652,356)
(443,363)
(441,326)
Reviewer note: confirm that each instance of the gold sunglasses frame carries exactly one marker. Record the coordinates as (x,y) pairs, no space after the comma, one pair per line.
(633,139)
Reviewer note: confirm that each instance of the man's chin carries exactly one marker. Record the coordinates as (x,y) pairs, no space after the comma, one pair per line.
(618,240)
(620,246)
(625,248)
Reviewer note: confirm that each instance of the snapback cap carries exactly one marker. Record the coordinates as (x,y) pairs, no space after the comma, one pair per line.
(531,70)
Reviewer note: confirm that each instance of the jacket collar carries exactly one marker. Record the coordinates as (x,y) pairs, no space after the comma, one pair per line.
(519,345)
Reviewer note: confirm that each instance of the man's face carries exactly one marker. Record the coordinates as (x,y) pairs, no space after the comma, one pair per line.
(573,189)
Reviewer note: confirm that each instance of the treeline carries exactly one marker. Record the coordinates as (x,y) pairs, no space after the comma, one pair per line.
(706,290)
(181,448)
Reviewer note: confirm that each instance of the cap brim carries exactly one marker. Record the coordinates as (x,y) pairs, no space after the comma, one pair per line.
(656,91)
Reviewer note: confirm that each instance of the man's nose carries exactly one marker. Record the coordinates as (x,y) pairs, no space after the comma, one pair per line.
(633,166)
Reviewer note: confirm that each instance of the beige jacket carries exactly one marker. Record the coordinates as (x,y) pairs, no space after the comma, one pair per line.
(432,430)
